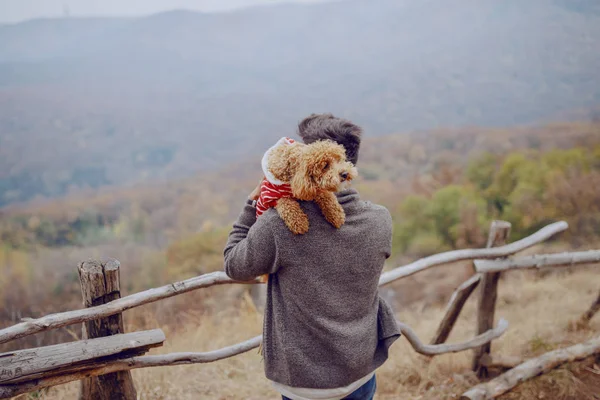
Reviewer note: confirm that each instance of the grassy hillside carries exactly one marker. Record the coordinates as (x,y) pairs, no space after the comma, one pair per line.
(539,310)
(97,102)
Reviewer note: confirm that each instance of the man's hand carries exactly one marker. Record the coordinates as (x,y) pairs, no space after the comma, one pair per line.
(255,194)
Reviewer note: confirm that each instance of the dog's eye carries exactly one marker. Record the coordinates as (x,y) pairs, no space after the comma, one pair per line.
(326,166)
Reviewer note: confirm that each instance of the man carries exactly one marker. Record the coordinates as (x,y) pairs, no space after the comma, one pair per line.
(326,330)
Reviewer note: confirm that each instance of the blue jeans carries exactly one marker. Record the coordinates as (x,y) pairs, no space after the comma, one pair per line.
(365,392)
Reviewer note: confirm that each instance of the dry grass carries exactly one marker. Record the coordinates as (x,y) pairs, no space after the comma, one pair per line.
(538,307)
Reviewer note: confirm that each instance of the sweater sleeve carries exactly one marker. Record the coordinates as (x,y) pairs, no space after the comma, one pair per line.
(388,230)
(251,248)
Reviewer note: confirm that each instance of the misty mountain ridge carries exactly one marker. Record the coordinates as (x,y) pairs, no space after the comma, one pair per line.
(121,100)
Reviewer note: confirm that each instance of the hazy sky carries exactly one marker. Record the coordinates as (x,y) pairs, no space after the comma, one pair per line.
(19,10)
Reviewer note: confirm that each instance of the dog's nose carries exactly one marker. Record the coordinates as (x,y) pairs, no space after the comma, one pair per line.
(344,175)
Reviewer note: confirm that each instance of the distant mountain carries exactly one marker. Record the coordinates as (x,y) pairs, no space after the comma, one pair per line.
(104,101)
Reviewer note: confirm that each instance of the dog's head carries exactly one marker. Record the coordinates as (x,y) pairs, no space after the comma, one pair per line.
(320,166)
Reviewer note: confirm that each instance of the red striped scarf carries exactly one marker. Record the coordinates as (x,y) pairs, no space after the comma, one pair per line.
(272,189)
(269,194)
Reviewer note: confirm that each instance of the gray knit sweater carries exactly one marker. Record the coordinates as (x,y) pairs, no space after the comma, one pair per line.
(325,325)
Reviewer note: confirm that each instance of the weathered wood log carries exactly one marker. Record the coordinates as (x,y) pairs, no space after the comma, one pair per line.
(126,364)
(532,368)
(457,301)
(539,261)
(488,291)
(100,284)
(53,321)
(111,366)
(22,365)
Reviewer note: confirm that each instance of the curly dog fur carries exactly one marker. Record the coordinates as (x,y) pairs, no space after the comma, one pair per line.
(315,172)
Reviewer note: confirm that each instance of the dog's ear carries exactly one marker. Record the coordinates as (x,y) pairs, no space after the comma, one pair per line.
(282,160)
(303,186)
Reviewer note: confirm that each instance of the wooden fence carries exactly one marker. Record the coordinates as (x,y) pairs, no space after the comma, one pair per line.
(103,358)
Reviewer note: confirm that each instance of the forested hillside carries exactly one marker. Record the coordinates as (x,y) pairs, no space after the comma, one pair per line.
(108,101)
(503,172)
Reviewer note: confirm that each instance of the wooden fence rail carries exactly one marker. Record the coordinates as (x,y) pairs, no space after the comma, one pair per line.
(59,320)
(473,254)
(19,366)
(97,311)
(457,301)
(126,364)
(539,261)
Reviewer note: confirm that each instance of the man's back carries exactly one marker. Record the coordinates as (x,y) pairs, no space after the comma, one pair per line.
(325,326)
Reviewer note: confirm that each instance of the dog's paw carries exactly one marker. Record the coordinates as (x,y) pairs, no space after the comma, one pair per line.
(335,215)
(299,226)
(294,218)
(337,220)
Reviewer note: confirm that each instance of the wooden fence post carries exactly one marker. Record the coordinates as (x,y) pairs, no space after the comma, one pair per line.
(585,319)
(99,285)
(455,305)
(499,232)
(587,316)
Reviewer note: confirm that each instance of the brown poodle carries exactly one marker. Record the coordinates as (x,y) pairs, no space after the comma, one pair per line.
(313,172)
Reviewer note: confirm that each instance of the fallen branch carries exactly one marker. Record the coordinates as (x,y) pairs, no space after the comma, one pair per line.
(457,301)
(538,261)
(469,254)
(532,368)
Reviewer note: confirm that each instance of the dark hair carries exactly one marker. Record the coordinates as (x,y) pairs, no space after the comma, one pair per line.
(325,126)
